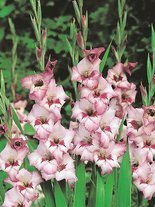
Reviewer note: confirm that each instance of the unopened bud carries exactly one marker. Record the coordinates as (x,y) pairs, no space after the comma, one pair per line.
(39,53)
(18,143)
(80,41)
(44,34)
(143,91)
(84,21)
(50,66)
(3,129)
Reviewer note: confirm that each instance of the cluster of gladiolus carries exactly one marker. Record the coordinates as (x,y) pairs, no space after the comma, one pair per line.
(24,183)
(52,156)
(93,135)
(141,135)
(100,110)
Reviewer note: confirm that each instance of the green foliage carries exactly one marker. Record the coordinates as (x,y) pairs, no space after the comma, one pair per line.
(80,186)
(100,191)
(60,199)
(109,184)
(105,57)
(124,183)
(29,130)
(3,176)
(48,192)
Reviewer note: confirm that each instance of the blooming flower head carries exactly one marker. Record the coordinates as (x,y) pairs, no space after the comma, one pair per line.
(116,76)
(86,112)
(149,114)
(37,84)
(126,95)
(88,67)
(59,141)
(42,120)
(66,170)
(145,180)
(26,184)
(44,161)
(13,198)
(134,120)
(11,159)
(85,144)
(54,97)
(107,158)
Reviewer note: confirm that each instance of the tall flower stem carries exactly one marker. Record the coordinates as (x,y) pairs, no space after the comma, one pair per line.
(121,34)
(14,58)
(40,33)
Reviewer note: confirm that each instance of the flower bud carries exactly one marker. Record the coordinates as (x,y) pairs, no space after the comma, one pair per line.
(84,21)
(80,41)
(39,53)
(3,129)
(18,143)
(44,35)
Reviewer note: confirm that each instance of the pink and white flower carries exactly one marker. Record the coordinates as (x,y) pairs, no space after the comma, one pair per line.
(42,120)
(59,141)
(54,97)
(66,170)
(108,158)
(44,161)
(14,199)
(37,84)
(11,159)
(86,112)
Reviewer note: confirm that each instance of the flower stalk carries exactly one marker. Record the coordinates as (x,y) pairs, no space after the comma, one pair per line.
(121,34)
(41,34)
(14,38)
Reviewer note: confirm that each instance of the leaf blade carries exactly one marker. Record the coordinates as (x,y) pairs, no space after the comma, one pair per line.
(124,183)
(60,199)
(80,187)
(105,57)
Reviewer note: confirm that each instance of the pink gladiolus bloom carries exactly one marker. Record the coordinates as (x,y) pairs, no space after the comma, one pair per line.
(55,96)
(88,67)
(138,158)
(102,90)
(14,199)
(11,159)
(147,143)
(134,120)
(86,113)
(26,184)
(85,144)
(116,76)
(66,169)
(126,95)
(107,158)
(59,141)
(149,114)
(115,104)
(42,120)
(145,181)
(44,161)
(93,54)
(109,123)
(37,84)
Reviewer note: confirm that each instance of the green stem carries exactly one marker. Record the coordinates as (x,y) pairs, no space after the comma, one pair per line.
(48,193)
